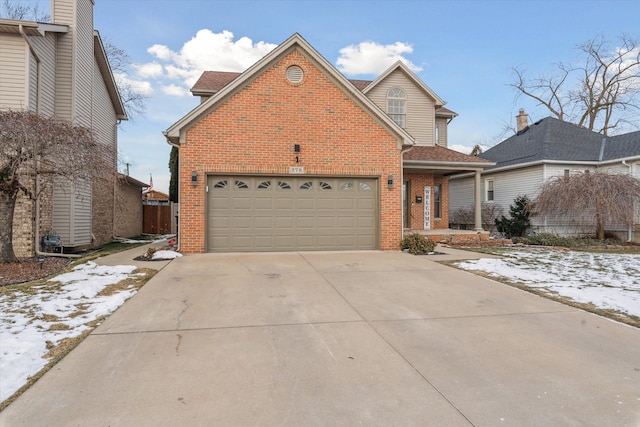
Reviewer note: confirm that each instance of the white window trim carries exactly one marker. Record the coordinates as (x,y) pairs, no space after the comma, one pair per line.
(486,190)
(399,118)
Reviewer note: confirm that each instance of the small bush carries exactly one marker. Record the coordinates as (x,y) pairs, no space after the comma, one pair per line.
(417,244)
(549,239)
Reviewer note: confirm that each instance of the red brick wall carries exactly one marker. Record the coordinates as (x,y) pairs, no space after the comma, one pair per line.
(417,182)
(254,131)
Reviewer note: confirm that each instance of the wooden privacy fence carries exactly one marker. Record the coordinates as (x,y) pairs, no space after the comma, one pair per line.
(156,219)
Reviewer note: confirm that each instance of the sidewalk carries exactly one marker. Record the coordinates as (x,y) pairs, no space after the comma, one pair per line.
(127,257)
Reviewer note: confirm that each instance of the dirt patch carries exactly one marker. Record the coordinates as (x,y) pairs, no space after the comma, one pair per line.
(29,269)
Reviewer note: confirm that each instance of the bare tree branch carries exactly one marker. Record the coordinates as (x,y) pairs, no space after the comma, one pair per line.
(33,146)
(601,93)
(13,10)
(134,100)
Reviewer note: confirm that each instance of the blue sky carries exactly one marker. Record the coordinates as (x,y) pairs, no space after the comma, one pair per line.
(463,50)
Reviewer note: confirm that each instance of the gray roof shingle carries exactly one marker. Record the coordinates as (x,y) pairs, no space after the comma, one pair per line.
(552,139)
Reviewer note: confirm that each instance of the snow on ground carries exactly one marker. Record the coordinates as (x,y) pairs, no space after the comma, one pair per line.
(59,309)
(609,281)
(159,239)
(166,255)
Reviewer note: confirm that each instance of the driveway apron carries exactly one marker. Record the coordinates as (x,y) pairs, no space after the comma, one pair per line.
(339,339)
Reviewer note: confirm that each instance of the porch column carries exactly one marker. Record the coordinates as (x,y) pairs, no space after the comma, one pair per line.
(478,202)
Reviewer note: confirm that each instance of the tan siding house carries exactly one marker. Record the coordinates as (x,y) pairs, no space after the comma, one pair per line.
(60,70)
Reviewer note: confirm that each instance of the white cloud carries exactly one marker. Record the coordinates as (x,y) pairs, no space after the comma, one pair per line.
(149,70)
(373,58)
(137,86)
(205,51)
(160,51)
(175,90)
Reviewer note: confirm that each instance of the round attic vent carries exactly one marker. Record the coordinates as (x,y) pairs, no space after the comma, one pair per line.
(295,74)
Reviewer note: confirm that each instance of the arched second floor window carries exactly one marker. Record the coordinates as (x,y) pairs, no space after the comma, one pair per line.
(397,106)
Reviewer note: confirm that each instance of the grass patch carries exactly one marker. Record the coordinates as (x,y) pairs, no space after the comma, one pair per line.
(616,315)
(58,352)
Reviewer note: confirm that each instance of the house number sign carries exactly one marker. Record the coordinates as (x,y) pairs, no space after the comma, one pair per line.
(296,169)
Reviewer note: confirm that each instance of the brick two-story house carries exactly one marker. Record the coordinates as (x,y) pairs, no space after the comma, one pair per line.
(291,155)
(60,70)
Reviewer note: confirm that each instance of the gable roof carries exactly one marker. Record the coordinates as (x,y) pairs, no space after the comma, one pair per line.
(399,65)
(175,133)
(107,75)
(622,147)
(212,81)
(553,140)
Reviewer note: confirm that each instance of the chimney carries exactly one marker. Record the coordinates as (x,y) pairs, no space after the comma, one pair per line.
(522,120)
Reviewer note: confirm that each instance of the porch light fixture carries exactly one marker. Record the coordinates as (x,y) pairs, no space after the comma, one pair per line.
(390,182)
(296,149)
(194,178)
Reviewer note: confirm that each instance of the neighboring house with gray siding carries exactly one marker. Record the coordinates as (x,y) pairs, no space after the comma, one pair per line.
(60,70)
(548,148)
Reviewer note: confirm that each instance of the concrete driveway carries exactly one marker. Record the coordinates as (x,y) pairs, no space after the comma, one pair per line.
(330,339)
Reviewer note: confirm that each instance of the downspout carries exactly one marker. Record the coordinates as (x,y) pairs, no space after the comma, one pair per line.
(177,145)
(630,231)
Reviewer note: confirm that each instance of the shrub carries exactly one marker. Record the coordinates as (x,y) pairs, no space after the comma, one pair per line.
(549,239)
(465,217)
(518,224)
(417,244)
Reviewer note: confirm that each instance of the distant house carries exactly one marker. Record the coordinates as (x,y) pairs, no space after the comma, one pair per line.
(128,212)
(291,155)
(154,197)
(547,148)
(60,70)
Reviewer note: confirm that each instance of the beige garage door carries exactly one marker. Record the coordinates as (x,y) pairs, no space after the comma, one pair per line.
(287,213)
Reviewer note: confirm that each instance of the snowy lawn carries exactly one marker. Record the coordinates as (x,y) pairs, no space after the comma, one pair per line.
(39,322)
(607,281)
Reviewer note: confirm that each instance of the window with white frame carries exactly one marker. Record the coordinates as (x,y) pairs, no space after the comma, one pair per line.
(437,134)
(397,106)
(489,195)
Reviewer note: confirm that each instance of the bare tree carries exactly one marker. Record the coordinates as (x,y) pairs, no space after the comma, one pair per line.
(33,146)
(600,93)
(135,101)
(466,216)
(10,9)
(595,198)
